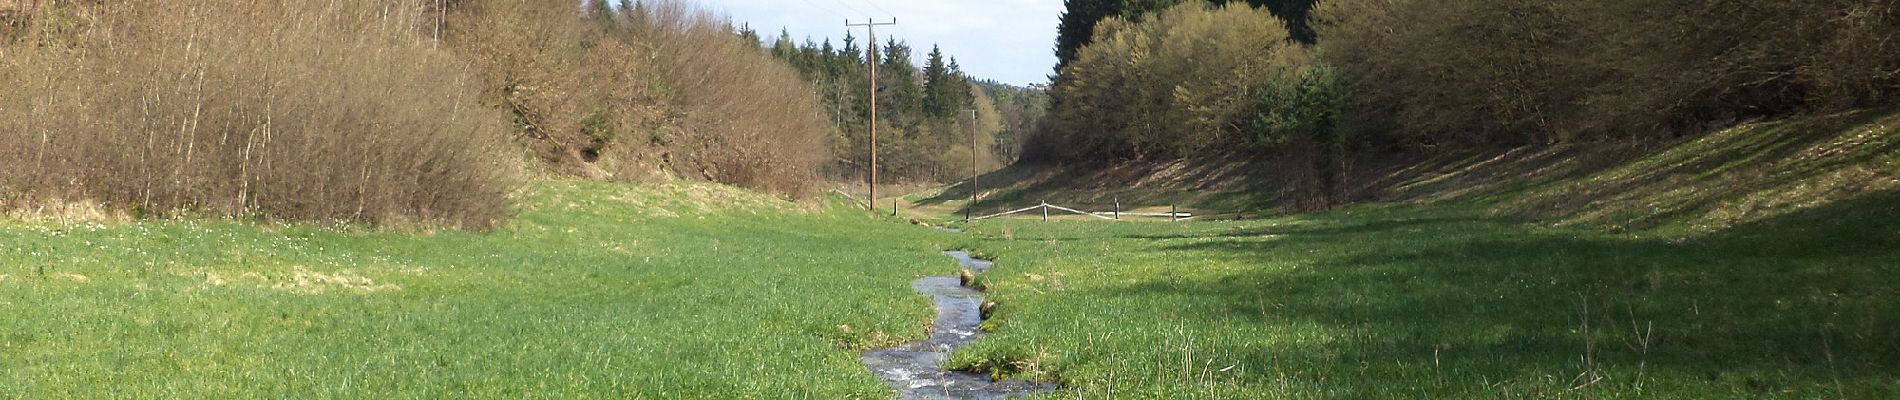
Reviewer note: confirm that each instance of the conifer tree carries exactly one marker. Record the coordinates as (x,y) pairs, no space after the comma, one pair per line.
(937,102)
(900,95)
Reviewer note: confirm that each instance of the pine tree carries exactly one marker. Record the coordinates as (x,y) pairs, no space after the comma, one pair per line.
(1077,27)
(746,32)
(937,103)
(900,95)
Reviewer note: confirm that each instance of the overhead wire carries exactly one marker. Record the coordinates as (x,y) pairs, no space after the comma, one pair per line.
(900,27)
(827,9)
(849,7)
(881,9)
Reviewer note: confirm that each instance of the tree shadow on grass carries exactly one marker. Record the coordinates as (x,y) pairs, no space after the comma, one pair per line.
(1803,303)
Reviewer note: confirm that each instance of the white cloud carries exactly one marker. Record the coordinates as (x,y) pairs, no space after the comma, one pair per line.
(1006,40)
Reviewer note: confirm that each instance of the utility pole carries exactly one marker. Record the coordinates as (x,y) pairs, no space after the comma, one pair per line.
(871,25)
(973,189)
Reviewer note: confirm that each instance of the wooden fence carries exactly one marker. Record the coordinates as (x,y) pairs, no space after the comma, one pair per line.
(1173,214)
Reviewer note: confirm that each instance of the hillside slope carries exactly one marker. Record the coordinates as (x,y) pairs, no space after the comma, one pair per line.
(1743,174)
(1755,262)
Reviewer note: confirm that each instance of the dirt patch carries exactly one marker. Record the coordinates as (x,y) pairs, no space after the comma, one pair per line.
(299,280)
(313,282)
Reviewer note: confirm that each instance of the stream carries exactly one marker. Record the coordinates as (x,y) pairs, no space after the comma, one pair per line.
(916,369)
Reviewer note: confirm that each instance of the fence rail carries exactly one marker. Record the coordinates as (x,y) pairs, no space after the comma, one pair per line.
(1173,214)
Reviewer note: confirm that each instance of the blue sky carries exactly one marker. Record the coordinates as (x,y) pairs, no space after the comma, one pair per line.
(1006,40)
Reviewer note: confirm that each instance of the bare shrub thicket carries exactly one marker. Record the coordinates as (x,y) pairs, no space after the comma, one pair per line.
(653,86)
(331,111)
(746,118)
(1500,72)
(571,91)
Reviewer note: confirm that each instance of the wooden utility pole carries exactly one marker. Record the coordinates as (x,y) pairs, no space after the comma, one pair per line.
(871,26)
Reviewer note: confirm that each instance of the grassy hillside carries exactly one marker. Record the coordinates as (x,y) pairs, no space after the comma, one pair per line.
(1447,302)
(1756,262)
(1748,173)
(596,290)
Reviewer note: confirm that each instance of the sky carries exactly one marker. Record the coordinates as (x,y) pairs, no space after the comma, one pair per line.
(1010,41)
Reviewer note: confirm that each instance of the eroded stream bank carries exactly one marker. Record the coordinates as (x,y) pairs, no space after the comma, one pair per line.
(917,369)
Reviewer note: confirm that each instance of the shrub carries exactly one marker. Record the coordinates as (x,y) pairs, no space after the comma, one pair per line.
(713,105)
(332,111)
(747,118)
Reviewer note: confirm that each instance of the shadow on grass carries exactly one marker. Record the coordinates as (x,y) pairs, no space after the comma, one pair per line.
(1802,303)
(1226,183)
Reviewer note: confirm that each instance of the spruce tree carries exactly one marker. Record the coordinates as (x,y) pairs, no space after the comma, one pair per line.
(899,92)
(937,103)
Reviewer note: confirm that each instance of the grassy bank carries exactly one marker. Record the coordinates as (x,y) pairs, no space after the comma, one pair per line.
(595,290)
(1756,262)
(1444,302)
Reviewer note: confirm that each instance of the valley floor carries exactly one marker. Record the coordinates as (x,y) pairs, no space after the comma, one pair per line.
(1757,263)
(594,291)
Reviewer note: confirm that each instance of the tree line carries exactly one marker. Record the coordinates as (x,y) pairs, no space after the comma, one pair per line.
(1312,87)
(925,119)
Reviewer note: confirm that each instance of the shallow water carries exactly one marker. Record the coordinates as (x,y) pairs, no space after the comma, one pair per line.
(916,369)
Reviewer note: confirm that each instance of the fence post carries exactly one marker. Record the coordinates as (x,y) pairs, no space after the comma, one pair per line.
(1118,208)
(1045,211)
(1174,214)
(893,207)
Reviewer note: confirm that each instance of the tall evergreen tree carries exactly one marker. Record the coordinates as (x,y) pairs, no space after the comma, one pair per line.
(900,95)
(783,47)
(1077,27)
(938,102)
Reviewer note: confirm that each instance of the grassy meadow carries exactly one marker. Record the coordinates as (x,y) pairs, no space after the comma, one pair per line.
(1392,301)
(1710,269)
(594,291)
(1756,262)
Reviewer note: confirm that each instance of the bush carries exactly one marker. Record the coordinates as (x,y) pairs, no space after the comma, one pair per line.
(1177,83)
(331,111)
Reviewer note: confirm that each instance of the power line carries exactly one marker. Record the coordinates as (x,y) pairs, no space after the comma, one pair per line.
(849,7)
(882,10)
(827,9)
(900,28)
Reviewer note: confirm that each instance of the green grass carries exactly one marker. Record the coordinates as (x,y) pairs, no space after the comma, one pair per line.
(1444,301)
(1761,261)
(595,291)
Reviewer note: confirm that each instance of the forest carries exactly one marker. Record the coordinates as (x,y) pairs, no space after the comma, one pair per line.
(1322,85)
(928,115)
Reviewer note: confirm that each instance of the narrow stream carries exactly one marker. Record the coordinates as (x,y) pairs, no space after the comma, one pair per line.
(916,369)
